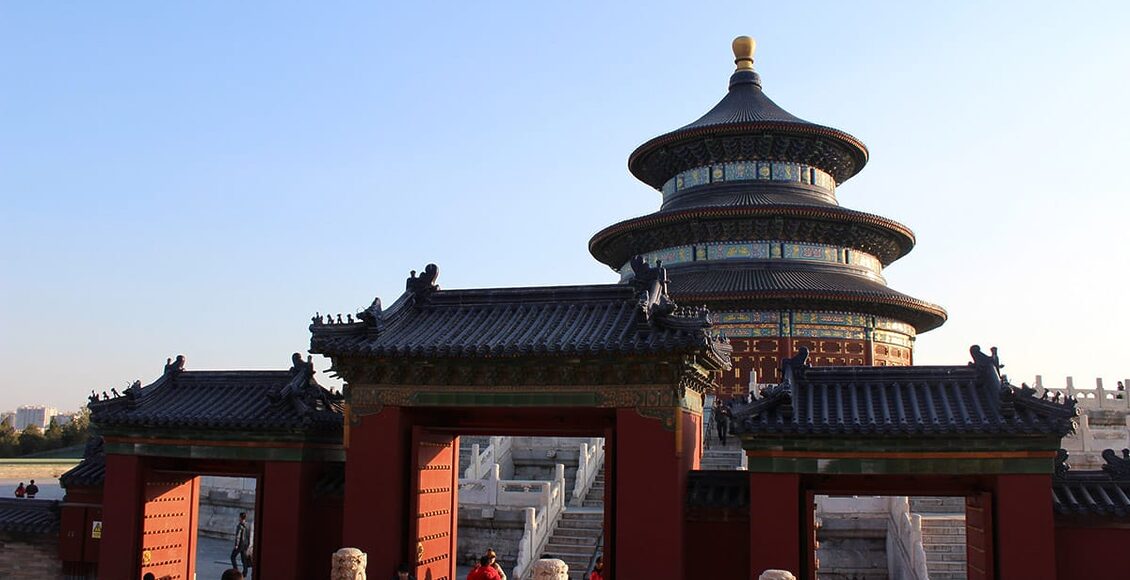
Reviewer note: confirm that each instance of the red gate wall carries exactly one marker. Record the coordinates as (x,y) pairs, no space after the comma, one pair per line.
(979,536)
(168,534)
(435,503)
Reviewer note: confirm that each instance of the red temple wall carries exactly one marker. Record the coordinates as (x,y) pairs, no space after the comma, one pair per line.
(376,490)
(1023,527)
(716,545)
(650,485)
(1086,552)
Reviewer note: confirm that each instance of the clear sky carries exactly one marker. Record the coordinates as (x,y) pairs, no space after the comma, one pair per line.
(201,177)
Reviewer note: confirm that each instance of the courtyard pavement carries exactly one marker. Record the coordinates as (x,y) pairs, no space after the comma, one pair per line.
(213,557)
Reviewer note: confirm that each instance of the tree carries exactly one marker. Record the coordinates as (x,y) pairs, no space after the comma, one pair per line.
(9,439)
(76,431)
(31,440)
(53,436)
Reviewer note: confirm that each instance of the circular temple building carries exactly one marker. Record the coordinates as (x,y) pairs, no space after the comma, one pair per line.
(750,226)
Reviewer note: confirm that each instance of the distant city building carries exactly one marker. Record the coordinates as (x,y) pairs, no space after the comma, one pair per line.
(34,415)
(63,419)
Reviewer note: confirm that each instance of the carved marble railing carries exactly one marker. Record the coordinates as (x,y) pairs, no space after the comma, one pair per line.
(482,460)
(589,461)
(540,523)
(1099,397)
(906,557)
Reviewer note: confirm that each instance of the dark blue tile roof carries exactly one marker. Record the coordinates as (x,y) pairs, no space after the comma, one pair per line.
(281,400)
(789,283)
(91,471)
(29,516)
(923,401)
(1104,493)
(516,322)
(718,489)
(1091,493)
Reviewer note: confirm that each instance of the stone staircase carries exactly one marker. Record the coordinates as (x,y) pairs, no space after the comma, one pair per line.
(580,532)
(726,457)
(595,496)
(943,535)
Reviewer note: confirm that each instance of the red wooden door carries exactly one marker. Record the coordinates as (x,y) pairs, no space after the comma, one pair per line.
(435,495)
(168,535)
(979,536)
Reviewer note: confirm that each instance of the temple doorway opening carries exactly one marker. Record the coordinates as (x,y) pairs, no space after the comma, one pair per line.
(222,499)
(530,496)
(878,537)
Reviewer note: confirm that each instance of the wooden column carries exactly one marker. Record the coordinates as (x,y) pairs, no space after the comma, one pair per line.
(775,523)
(650,486)
(1023,527)
(120,555)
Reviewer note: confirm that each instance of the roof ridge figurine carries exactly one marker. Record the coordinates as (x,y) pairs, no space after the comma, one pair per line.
(1117,467)
(425,284)
(174,367)
(988,367)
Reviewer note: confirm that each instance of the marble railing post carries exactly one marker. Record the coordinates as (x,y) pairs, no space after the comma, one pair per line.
(472,470)
(349,564)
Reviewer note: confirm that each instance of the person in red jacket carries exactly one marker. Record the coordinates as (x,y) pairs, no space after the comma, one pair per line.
(598,570)
(484,571)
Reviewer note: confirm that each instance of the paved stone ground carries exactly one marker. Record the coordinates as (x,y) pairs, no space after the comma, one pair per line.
(213,557)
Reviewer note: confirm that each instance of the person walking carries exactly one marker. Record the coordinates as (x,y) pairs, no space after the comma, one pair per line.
(722,422)
(20,491)
(242,543)
(32,489)
(231,574)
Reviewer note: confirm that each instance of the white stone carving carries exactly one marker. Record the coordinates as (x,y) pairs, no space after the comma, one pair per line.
(349,564)
(551,569)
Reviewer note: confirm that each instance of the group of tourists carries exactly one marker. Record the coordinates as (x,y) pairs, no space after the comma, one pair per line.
(489,569)
(29,492)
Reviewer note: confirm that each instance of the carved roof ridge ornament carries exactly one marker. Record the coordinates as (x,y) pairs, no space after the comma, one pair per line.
(793,368)
(657,306)
(988,366)
(1061,464)
(1117,467)
(423,285)
(302,393)
(175,367)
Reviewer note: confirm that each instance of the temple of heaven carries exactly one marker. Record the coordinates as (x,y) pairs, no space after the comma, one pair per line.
(750,226)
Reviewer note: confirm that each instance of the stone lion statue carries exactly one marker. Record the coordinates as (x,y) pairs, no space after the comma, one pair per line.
(349,564)
(550,569)
(776,575)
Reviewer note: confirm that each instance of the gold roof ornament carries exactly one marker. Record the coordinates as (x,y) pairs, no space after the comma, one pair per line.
(744,46)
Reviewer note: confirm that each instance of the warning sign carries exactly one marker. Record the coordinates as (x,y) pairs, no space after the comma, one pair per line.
(96,530)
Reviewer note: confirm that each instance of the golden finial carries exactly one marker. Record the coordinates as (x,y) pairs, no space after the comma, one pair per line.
(743,52)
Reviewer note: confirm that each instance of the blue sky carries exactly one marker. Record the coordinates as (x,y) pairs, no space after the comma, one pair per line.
(200,178)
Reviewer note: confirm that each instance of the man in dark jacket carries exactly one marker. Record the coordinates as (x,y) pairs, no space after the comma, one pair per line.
(242,543)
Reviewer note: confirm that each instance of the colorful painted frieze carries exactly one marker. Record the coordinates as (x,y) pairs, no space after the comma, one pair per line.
(749,171)
(894,338)
(747,316)
(815,252)
(822,331)
(832,318)
(894,326)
